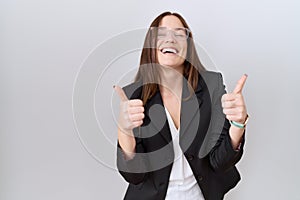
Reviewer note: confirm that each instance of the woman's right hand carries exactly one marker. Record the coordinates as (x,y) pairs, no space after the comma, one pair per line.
(131,112)
(131,116)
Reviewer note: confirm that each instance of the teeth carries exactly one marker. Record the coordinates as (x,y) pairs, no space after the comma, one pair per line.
(164,50)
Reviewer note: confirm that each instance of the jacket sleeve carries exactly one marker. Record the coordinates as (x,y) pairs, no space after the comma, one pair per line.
(223,156)
(133,170)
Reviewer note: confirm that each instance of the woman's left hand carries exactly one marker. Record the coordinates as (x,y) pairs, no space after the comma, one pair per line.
(233,103)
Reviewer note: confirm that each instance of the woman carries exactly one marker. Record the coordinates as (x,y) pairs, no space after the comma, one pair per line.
(172,141)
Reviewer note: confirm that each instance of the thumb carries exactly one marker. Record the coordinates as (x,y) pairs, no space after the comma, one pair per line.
(120,93)
(240,84)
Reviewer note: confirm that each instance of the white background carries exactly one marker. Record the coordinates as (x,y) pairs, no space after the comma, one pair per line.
(44,43)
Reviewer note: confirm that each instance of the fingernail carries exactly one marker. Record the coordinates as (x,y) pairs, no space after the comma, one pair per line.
(114,86)
(246,75)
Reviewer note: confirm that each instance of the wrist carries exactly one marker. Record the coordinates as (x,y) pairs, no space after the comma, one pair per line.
(238,124)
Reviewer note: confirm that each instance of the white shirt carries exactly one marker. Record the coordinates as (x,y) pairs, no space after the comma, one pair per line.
(182,183)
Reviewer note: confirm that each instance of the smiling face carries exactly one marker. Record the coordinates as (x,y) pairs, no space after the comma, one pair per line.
(171,43)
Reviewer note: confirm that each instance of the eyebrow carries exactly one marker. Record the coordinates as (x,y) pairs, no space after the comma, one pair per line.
(178,28)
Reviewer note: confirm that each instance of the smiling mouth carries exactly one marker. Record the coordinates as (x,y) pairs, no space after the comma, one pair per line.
(169,50)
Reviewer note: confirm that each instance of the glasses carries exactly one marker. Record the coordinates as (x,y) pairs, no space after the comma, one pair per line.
(177,33)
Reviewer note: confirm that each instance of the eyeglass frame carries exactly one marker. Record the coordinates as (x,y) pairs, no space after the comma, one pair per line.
(187,31)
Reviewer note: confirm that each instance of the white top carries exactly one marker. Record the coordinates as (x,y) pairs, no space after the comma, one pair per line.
(182,183)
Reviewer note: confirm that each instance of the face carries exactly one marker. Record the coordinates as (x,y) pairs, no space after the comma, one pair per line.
(171,42)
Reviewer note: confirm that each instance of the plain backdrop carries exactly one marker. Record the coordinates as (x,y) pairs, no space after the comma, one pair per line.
(43,45)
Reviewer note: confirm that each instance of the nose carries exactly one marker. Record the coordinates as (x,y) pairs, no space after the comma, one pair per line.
(170,37)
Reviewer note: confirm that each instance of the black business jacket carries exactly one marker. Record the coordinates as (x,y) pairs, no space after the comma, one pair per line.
(214,169)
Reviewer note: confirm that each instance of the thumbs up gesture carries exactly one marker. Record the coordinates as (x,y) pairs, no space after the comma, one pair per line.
(233,103)
(131,112)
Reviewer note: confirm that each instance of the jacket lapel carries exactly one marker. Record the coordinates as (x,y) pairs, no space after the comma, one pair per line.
(189,116)
(158,117)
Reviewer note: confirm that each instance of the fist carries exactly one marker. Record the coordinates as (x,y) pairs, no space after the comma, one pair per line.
(131,112)
(233,103)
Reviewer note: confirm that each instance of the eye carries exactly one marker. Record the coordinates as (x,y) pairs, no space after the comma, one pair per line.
(161,32)
(180,33)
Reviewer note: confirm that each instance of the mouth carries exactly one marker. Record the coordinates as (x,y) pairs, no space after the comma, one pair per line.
(169,50)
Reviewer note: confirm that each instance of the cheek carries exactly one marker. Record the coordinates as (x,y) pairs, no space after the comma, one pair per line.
(184,51)
(183,46)
(158,43)
(159,57)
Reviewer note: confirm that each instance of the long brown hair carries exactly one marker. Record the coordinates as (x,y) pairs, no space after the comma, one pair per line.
(148,70)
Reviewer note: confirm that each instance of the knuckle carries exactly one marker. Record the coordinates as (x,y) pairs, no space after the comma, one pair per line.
(140,101)
(130,102)
(224,104)
(224,97)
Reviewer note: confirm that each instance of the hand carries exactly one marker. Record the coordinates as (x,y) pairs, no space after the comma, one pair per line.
(131,112)
(233,103)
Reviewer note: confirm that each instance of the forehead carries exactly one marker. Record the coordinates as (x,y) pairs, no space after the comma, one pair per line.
(171,21)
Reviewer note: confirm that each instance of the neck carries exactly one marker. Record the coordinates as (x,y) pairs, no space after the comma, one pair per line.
(171,81)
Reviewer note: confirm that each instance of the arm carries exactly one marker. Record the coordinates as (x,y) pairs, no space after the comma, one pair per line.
(130,162)
(229,147)
(224,155)
(132,168)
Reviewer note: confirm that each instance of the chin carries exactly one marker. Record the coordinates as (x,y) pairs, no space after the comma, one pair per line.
(171,65)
